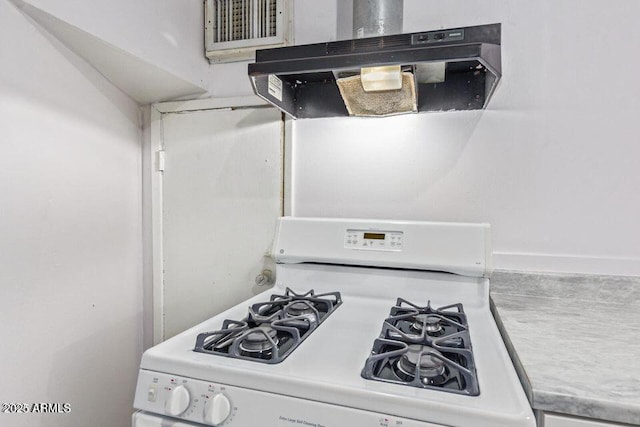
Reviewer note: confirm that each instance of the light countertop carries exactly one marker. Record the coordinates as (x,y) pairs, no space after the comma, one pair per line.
(575,341)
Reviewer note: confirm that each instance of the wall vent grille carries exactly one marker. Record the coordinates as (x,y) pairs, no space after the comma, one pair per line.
(235,28)
(243,19)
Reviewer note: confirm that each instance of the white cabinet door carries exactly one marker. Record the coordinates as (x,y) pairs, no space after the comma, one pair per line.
(565,421)
(222,192)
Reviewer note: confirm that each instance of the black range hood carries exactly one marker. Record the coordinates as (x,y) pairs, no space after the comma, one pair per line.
(454,69)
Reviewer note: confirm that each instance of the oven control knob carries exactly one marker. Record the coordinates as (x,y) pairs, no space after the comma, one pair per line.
(217,409)
(178,401)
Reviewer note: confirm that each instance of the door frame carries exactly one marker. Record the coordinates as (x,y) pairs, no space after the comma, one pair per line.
(153,145)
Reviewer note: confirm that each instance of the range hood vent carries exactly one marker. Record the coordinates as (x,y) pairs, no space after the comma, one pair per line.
(454,69)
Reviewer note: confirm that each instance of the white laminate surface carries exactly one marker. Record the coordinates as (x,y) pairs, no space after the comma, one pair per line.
(575,340)
(551,420)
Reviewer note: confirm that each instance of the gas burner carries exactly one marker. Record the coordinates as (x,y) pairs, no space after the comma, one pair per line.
(424,347)
(259,340)
(301,308)
(411,323)
(427,360)
(272,329)
(426,323)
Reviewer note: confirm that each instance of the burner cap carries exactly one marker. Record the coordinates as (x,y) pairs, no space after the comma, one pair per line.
(430,366)
(256,341)
(425,322)
(300,308)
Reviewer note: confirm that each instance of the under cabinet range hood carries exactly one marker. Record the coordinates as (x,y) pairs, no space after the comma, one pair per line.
(443,70)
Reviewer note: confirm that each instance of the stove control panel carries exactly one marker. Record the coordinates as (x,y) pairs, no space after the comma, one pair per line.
(185,398)
(213,404)
(374,240)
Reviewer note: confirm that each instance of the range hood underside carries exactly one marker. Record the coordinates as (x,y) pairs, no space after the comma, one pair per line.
(301,80)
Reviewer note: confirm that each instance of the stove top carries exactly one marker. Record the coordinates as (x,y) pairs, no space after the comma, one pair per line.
(424,347)
(272,329)
(419,370)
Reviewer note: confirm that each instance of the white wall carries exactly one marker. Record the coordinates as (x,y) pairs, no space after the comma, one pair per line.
(70,234)
(168,33)
(552,164)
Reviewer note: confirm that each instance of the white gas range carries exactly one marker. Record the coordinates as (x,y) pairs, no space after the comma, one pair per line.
(370,324)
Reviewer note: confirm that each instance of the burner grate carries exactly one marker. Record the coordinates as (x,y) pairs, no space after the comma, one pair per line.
(426,348)
(272,329)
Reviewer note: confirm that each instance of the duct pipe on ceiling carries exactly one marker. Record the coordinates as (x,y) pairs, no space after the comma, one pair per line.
(373,18)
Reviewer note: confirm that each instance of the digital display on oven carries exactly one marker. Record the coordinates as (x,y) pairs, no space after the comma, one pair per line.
(375,236)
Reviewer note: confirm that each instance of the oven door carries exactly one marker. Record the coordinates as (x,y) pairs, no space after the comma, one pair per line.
(142,419)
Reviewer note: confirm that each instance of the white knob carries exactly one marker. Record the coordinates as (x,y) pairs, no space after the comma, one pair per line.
(217,409)
(178,401)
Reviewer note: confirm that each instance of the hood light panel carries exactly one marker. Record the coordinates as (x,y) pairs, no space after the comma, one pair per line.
(375,79)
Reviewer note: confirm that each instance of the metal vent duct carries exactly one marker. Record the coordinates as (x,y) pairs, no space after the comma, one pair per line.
(377,18)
